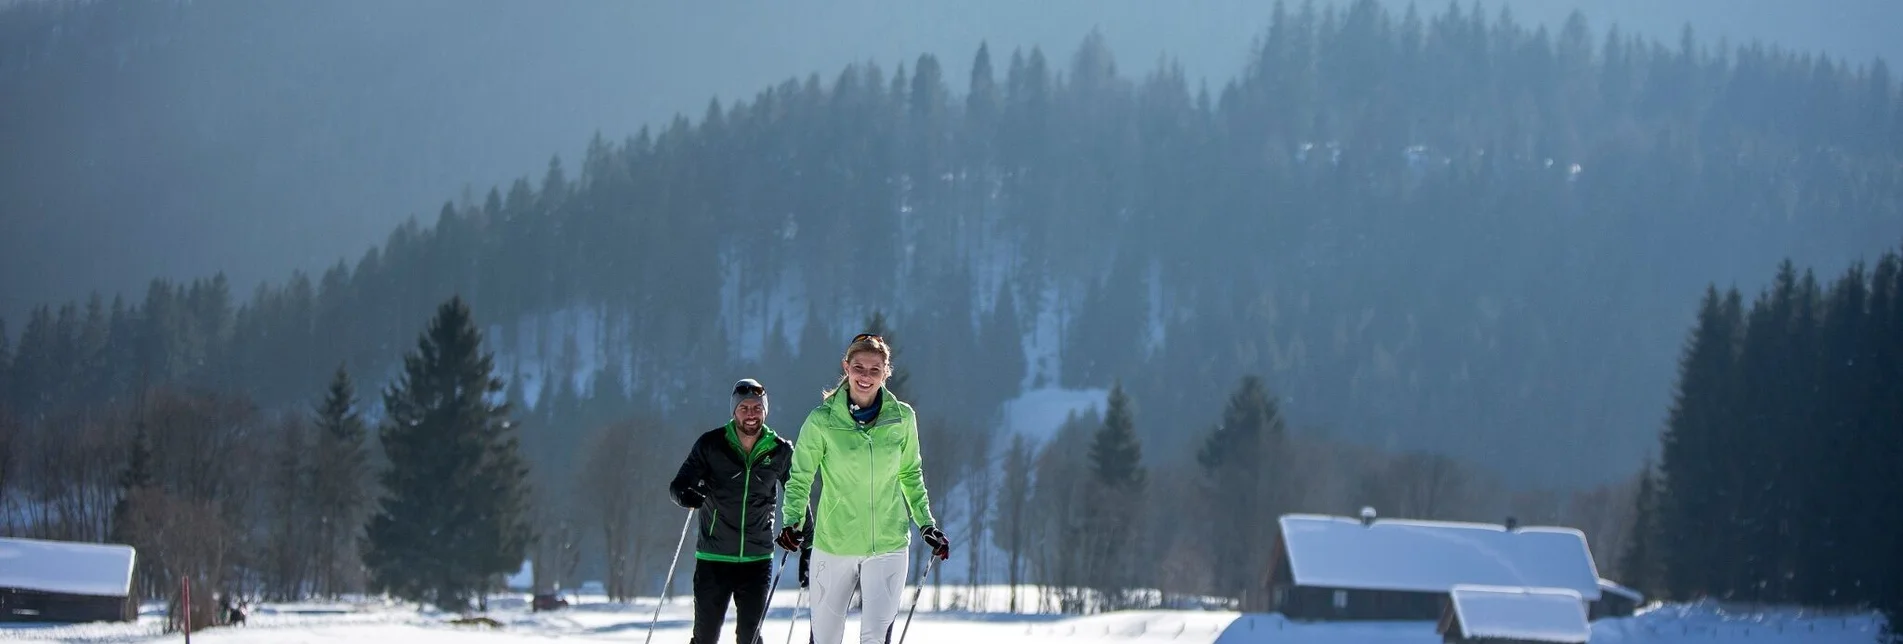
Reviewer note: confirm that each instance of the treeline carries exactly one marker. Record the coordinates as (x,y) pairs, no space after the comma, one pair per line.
(1780,477)
(1099,521)
(433,506)
(1440,230)
(323,502)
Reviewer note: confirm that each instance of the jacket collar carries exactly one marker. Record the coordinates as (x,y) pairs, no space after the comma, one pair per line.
(765,444)
(839,404)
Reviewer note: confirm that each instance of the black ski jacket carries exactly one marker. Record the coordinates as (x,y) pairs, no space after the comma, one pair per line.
(743,492)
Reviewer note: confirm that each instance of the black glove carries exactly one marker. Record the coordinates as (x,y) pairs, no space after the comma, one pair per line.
(941,546)
(789,539)
(691,498)
(806,562)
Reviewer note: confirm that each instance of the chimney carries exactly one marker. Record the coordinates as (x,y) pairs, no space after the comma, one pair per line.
(1512,524)
(1367,516)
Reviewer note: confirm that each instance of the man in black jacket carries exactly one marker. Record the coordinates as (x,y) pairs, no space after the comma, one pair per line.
(733,476)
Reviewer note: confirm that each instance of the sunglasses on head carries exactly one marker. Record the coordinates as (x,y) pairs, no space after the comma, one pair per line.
(749,390)
(867,336)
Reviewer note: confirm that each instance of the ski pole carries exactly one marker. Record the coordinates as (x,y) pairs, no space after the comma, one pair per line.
(931,564)
(670,575)
(768,607)
(798,598)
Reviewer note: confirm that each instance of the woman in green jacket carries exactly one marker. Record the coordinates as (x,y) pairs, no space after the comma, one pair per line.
(863,442)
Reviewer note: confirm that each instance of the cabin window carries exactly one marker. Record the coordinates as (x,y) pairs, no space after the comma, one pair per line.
(1341,599)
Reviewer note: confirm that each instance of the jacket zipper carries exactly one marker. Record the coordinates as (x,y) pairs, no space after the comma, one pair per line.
(746,498)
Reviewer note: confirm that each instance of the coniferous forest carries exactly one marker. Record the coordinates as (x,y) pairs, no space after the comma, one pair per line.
(1435,261)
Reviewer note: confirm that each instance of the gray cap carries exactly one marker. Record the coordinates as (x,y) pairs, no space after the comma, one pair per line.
(747,389)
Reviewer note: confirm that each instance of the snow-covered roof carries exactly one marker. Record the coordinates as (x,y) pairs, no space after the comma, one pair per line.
(1534,614)
(1610,586)
(66,567)
(1435,556)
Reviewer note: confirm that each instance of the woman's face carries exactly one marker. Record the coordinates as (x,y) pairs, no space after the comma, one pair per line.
(866,372)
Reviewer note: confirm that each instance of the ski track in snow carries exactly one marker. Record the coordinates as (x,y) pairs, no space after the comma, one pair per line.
(595,619)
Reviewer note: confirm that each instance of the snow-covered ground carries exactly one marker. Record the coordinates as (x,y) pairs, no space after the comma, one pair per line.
(595,619)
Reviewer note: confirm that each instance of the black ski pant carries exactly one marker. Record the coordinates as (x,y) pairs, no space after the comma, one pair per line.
(716,582)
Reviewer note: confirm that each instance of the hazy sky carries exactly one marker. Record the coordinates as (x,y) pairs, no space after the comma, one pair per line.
(276,135)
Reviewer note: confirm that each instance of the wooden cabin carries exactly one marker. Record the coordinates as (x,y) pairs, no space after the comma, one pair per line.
(65,581)
(1341,568)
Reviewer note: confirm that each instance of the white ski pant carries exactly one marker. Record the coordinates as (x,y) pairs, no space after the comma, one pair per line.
(881,579)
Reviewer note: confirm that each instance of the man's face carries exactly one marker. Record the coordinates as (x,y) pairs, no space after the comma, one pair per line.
(750,415)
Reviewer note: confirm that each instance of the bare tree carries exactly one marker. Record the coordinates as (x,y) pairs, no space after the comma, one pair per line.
(980,484)
(183,539)
(70,486)
(9,468)
(1060,491)
(616,479)
(289,548)
(1429,485)
(1011,528)
(548,518)
(1605,514)
(949,461)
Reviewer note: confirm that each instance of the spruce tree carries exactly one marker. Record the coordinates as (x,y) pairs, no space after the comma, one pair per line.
(135,477)
(1117,477)
(1241,461)
(1765,400)
(1695,507)
(1115,455)
(1880,537)
(454,515)
(1638,564)
(1833,472)
(340,479)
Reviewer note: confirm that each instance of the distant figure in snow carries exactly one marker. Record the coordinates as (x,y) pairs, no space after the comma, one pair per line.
(863,442)
(733,476)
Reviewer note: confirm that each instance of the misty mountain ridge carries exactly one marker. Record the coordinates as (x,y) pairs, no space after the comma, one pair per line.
(1449,233)
(256,138)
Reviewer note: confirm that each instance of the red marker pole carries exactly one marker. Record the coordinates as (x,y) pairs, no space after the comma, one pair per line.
(186,605)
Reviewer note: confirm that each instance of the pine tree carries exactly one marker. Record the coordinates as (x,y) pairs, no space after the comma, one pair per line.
(1879,536)
(454,513)
(1638,564)
(136,476)
(1242,462)
(134,481)
(1115,455)
(1767,398)
(1833,469)
(33,369)
(340,480)
(1696,509)
(1117,477)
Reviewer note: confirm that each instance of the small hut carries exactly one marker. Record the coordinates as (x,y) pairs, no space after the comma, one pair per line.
(65,581)
(1504,615)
